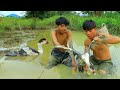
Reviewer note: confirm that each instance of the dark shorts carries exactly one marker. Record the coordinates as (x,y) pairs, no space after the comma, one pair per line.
(58,57)
(102,65)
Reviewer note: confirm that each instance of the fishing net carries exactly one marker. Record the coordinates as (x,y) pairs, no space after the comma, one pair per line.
(103,29)
(103,33)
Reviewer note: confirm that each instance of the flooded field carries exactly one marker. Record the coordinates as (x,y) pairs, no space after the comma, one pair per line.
(33,67)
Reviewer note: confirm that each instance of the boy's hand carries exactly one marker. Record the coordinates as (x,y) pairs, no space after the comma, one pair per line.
(98,40)
(101,38)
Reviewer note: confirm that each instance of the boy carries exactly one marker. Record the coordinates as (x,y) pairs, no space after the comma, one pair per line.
(61,36)
(100,47)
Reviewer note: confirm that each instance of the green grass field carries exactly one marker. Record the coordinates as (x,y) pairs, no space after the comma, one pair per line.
(9,23)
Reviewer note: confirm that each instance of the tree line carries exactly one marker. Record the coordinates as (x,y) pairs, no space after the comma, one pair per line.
(47,14)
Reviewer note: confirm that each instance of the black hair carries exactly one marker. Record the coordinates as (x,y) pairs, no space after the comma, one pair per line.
(89,24)
(41,40)
(62,20)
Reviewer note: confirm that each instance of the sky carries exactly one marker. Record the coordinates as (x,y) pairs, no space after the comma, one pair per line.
(21,13)
(5,13)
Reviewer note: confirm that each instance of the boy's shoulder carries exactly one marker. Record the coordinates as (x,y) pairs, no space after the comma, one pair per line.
(53,31)
(68,30)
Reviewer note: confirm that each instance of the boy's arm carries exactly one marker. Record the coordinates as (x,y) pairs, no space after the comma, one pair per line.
(85,45)
(70,45)
(54,39)
(112,40)
(108,39)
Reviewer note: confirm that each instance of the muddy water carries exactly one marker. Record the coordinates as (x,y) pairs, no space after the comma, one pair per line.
(32,67)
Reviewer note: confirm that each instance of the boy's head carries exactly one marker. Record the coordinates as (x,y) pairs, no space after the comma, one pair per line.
(62,20)
(62,23)
(89,27)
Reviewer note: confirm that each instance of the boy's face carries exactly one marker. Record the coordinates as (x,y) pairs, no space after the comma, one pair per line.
(62,28)
(90,33)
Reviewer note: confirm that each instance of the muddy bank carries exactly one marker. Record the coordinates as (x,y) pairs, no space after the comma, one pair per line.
(12,39)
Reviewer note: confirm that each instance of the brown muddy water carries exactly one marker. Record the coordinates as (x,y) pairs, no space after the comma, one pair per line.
(33,67)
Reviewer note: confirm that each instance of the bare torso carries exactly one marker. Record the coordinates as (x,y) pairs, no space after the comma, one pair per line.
(100,50)
(62,38)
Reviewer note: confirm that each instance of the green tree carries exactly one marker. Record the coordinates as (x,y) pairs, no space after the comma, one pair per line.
(93,13)
(64,12)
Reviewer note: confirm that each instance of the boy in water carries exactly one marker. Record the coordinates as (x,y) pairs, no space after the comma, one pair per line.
(101,53)
(62,36)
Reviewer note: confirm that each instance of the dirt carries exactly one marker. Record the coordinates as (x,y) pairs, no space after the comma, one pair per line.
(10,39)
(14,38)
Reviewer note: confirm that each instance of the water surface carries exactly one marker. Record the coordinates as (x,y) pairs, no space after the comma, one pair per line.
(33,66)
